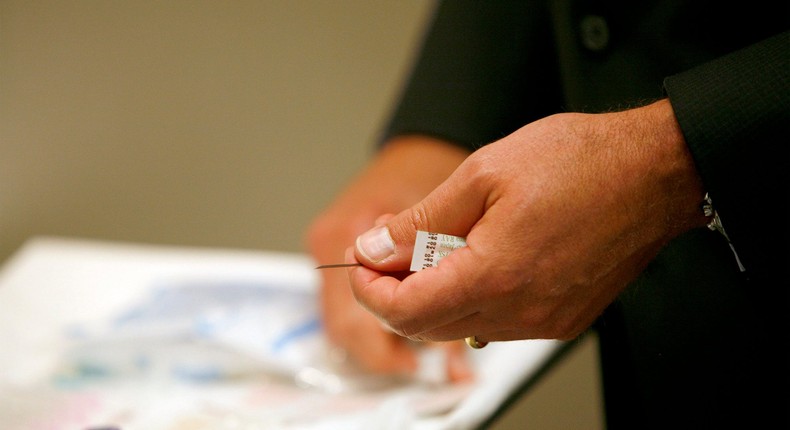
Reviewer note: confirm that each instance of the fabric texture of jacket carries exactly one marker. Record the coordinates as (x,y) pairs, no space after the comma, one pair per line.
(693,342)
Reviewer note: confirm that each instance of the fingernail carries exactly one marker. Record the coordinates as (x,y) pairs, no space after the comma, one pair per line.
(376,244)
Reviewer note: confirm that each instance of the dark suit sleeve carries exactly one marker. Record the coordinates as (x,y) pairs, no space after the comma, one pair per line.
(735,113)
(484,69)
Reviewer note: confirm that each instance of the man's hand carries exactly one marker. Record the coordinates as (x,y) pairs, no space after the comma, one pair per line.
(558,217)
(402,173)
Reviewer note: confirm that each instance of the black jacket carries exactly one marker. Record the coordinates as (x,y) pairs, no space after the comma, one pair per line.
(694,342)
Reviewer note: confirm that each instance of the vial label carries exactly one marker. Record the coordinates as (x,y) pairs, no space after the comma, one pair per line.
(429,248)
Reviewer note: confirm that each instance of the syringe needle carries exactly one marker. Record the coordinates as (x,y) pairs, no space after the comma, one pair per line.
(331,266)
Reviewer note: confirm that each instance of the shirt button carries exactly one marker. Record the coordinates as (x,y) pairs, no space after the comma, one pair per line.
(594,32)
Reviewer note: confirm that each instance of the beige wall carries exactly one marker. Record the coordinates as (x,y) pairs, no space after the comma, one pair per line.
(211,123)
(190,122)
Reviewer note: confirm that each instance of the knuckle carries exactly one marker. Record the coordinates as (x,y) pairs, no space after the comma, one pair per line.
(479,168)
(418,218)
(399,327)
(402,326)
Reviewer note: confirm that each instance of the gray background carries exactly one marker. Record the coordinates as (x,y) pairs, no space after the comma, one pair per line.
(211,123)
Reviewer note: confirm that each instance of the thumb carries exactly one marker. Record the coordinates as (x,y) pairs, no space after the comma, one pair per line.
(452,209)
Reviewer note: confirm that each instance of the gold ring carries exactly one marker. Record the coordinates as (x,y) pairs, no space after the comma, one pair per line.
(474,343)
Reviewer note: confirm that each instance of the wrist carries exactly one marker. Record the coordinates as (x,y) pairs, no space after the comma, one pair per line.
(672,172)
